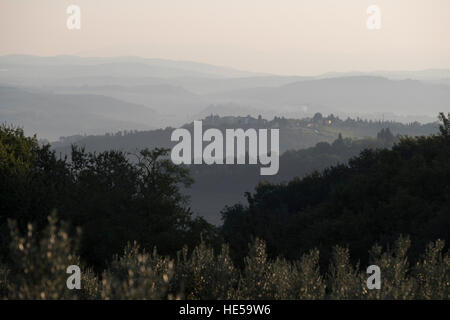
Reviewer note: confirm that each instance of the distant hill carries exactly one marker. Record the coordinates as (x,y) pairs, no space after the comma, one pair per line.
(431,75)
(52,115)
(73,66)
(218,186)
(168,100)
(306,144)
(182,91)
(295,134)
(349,95)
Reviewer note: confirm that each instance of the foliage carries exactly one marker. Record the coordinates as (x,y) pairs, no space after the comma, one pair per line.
(376,197)
(137,275)
(30,175)
(38,271)
(444,128)
(115,197)
(38,265)
(310,238)
(203,275)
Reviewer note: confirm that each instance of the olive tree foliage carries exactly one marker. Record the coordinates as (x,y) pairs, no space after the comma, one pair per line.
(38,271)
(38,265)
(137,275)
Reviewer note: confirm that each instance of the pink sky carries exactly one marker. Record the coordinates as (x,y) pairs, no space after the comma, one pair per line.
(276,36)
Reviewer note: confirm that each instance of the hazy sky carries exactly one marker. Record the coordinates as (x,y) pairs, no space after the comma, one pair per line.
(277,36)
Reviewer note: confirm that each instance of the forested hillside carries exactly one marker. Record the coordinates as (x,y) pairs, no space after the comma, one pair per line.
(295,134)
(305,145)
(376,197)
(309,238)
(219,185)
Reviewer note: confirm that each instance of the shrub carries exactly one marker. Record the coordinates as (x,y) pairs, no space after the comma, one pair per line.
(396,280)
(40,264)
(37,270)
(137,275)
(432,273)
(311,283)
(345,281)
(204,275)
(263,279)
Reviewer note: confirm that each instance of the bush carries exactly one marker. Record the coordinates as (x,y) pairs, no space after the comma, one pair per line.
(311,283)
(204,275)
(37,270)
(39,264)
(137,275)
(433,273)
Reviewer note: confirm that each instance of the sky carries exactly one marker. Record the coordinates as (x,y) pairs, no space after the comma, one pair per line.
(289,37)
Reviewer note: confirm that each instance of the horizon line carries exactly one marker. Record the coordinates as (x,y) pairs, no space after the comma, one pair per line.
(231,68)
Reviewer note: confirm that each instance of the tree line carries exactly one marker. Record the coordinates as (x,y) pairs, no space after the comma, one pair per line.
(354,211)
